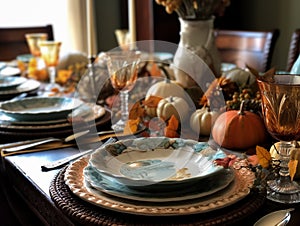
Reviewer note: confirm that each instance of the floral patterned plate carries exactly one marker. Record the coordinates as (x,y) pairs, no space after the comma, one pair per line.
(237,190)
(156,162)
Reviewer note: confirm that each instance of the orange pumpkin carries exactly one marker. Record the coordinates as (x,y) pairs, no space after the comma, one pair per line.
(239,129)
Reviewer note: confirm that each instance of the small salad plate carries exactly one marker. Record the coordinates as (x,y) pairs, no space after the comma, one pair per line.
(11,82)
(40,108)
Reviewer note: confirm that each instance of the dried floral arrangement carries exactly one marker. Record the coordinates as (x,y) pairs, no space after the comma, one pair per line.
(195,9)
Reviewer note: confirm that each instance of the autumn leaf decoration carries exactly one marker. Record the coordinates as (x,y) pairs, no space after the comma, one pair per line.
(293,163)
(137,111)
(131,126)
(171,129)
(152,101)
(264,159)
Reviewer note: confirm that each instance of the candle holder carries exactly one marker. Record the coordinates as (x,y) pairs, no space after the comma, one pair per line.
(91,73)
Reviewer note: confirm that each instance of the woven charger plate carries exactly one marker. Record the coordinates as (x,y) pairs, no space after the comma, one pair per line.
(84,212)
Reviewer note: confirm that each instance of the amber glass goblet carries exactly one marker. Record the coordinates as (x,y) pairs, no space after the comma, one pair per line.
(123,69)
(281,112)
(33,41)
(50,53)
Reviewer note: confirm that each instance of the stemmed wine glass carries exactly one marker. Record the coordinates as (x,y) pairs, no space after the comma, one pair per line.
(50,53)
(281,112)
(33,41)
(123,69)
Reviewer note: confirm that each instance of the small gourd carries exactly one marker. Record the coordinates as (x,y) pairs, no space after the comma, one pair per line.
(202,119)
(239,129)
(176,106)
(240,76)
(166,88)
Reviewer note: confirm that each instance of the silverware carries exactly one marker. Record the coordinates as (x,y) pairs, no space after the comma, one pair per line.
(34,143)
(64,161)
(276,218)
(286,218)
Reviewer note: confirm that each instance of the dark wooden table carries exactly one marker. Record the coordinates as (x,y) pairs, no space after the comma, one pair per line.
(27,186)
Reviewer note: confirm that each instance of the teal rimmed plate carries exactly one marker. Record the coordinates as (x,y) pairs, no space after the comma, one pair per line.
(40,108)
(156,162)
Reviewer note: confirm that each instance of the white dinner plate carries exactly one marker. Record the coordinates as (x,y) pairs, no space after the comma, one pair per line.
(11,82)
(28,86)
(40,108)
(9,71)
(88,112)
(203,188)
(156,162)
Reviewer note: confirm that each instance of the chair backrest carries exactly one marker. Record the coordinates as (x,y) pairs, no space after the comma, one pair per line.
(241,47)
(294,49)
(13,42)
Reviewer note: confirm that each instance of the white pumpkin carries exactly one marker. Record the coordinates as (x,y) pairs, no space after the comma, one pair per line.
(201,120)
(166,88)
(240,76)
(169,106)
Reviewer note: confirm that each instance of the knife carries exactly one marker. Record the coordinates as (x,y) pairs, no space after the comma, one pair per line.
(62,162)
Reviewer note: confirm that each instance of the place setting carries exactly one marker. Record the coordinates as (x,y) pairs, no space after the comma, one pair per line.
(157,177)
(12,86)
(32,117)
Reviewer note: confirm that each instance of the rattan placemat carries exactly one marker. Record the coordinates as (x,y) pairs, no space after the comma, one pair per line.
(85,213)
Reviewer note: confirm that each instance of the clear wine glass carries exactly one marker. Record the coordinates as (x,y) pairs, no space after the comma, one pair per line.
(123,69)
(50,53)
(281,112)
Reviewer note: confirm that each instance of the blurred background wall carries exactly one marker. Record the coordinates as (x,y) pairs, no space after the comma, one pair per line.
(241,14)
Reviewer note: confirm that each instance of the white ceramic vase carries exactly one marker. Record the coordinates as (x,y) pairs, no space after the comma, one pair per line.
(196,40)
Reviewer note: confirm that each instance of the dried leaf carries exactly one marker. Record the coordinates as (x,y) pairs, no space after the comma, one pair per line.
(292,167)
(264,157)
(131,126)
(155,70)
(173,123)
(171,129)
(152,101)
(136,111)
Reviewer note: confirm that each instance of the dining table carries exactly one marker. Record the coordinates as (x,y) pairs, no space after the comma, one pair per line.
(42,198)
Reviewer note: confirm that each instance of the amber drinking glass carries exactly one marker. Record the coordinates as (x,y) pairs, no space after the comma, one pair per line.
(50,53)
(123,38)
(123,69)
(33,41)
(281,112)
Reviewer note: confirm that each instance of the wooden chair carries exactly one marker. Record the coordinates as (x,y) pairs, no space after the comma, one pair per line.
(241,47)
(294,49)
(13,42)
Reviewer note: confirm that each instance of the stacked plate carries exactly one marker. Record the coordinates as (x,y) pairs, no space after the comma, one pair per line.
(48,116)
(11,86)
(156,176)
